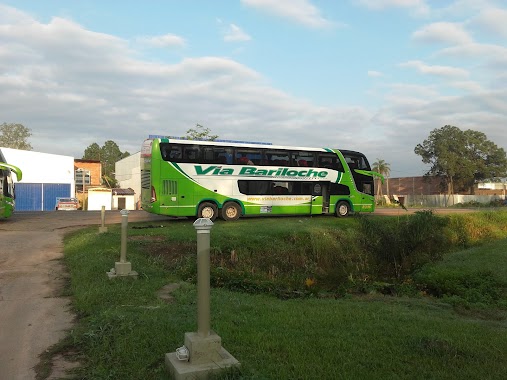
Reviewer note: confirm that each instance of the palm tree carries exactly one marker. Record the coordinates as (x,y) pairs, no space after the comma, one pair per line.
(382,167)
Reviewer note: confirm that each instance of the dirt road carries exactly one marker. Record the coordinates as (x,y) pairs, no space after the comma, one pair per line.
(32,316)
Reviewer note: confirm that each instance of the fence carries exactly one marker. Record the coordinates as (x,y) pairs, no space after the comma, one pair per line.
(445,200)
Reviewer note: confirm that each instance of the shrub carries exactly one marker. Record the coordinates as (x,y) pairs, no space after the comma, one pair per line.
(398,246)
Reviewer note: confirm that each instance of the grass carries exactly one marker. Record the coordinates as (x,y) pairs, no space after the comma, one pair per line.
(474,279)
(287,301)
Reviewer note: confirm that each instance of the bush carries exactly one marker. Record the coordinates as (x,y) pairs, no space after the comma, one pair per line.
(399,246)
(291,257)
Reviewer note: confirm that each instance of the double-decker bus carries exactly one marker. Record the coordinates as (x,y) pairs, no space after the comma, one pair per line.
(206,179)
(7,197)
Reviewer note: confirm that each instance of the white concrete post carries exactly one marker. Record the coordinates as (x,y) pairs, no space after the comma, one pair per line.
(102,227)
(202,353)
(124,228)
(203,227)
(123,267)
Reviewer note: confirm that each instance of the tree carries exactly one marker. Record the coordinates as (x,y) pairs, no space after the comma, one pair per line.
(108,155)
(200,133)
(15,136)
(462,158)
(381,167)
(93,152)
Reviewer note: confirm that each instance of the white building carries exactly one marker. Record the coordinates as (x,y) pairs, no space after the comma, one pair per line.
(45,178)
(128,174)
(98,197)
(124,199)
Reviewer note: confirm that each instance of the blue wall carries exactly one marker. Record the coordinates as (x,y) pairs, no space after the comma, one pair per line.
(40,196)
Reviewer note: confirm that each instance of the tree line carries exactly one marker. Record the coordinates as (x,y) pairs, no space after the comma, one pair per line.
(459,158)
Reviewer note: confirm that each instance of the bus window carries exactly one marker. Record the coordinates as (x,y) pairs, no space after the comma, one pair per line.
(292,188)
(305,159)
(301,188)
(356,160)
(329,161)
(278,158)
(171,152)
(339,189)
(190,153)
(222,155)
(280,188)
(248,157)
(254,187)
(207,154)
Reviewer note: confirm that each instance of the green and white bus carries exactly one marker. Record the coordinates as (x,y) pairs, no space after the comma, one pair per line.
(7,197)
(206,179)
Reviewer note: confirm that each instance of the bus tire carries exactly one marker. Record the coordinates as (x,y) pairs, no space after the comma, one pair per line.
(230,211)
(342,209)
(207,210)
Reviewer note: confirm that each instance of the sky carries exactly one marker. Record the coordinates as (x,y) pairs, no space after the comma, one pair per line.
(375,76)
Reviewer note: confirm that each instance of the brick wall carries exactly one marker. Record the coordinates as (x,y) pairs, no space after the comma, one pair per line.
(412,185)
(426,186)
(95,168)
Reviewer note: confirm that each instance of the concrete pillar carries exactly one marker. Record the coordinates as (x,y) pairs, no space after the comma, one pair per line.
(102,227)
(124,231)
(202,353)
(203,227)
(123,267)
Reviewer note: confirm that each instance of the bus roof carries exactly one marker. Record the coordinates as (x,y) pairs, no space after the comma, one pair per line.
(227,143)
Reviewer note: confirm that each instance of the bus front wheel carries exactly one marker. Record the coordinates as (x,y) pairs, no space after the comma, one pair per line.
(342,209)
(207,210)
(231,211)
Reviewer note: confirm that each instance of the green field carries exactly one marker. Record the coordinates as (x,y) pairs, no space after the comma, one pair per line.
(412,297)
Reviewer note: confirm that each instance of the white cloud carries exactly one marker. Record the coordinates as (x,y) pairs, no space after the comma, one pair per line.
(493,21)
(235,34)
(300,11)
(475,51)
(167,40)
(441,71)
(463,8)
(419,7)
(400,92)
(9,14)
(59,76)
(442,32)
(469,86)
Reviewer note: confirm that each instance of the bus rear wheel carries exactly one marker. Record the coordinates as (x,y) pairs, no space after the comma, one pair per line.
(231,211)
(207,210)
(342,209)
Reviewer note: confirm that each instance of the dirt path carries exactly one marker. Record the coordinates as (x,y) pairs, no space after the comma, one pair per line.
(32,316)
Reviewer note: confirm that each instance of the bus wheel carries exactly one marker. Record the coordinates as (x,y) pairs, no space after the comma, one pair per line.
(207,210)
(342,209)
(231,211)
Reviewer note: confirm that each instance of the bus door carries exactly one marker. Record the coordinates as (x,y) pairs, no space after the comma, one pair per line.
(320,198)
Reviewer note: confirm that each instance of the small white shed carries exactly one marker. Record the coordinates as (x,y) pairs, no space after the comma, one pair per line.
(98,197)
(124,199)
